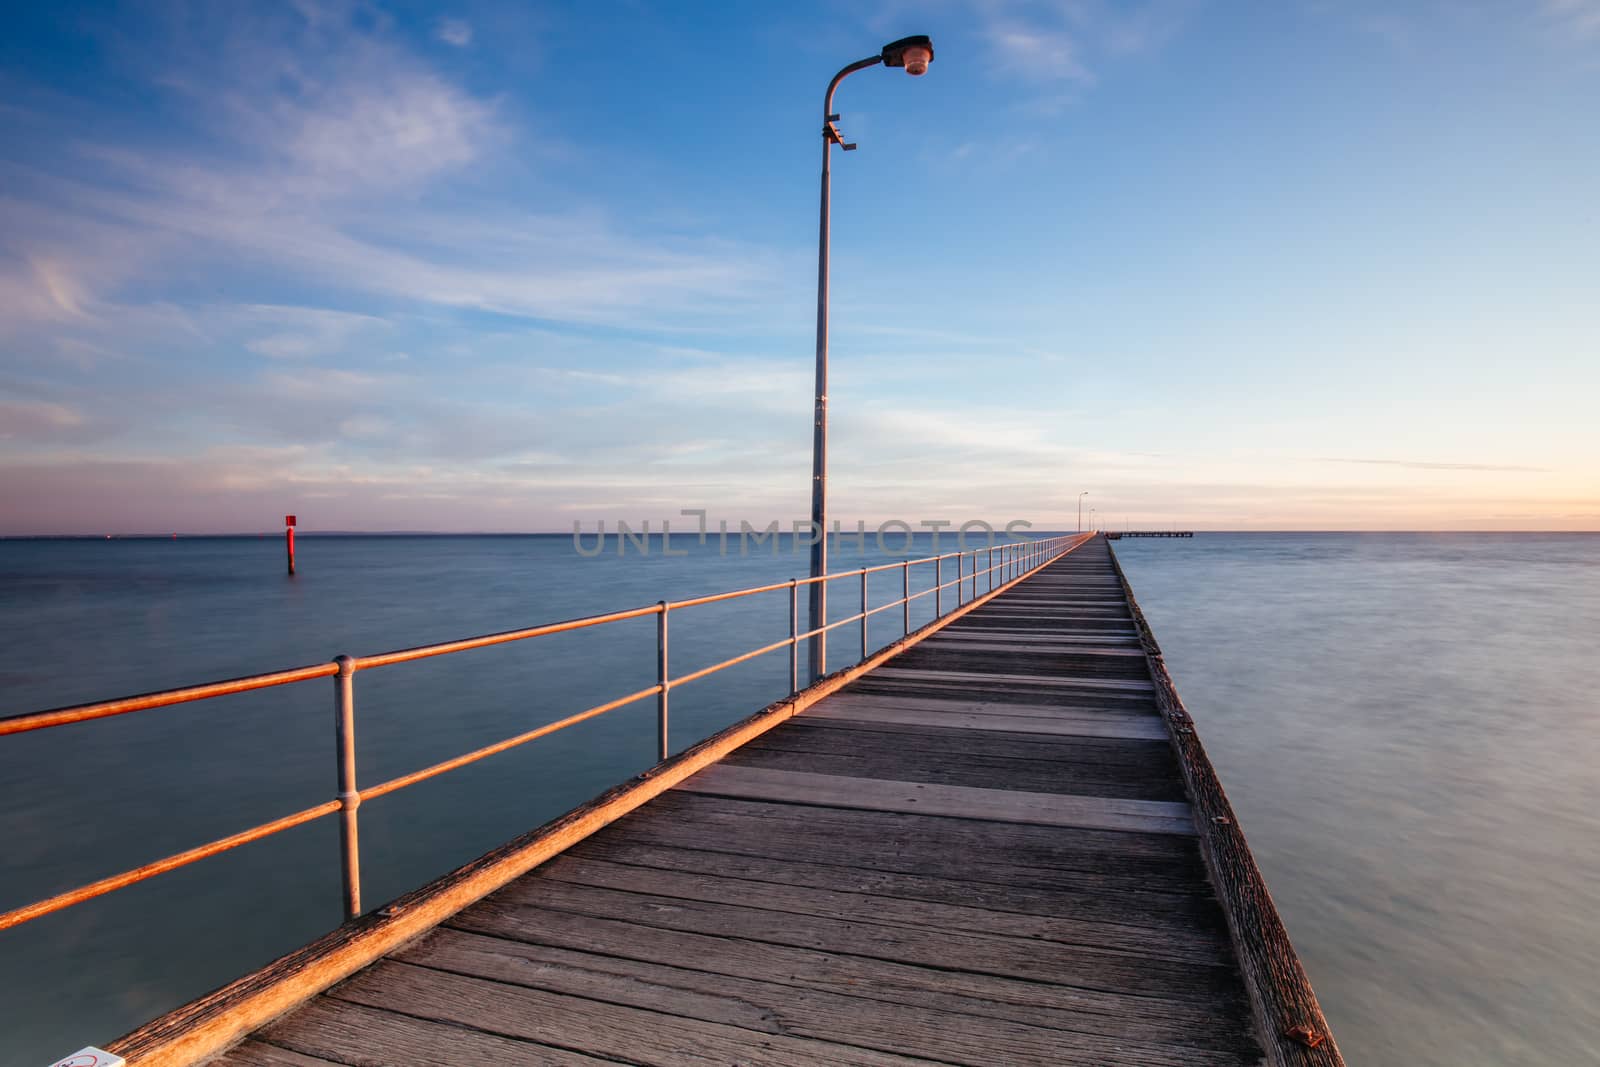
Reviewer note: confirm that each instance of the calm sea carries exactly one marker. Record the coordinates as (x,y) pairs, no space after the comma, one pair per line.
(1405,724)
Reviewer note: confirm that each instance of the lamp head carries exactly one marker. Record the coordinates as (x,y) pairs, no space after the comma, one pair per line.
(912,53)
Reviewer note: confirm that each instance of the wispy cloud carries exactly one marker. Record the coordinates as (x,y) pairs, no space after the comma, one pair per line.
(303,332)
(1036,53)
(457,32)
(1578,17)
(1421,465)
(327,141)
(1065,40)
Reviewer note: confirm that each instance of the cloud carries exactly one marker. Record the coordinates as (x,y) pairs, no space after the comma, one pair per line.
(1579,17)
(305,333)
(1419,465)
(1063,41)
(457,32)
(333,154)
(1035,53)
(36,419)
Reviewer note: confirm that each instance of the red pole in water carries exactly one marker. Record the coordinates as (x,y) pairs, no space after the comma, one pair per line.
(288,536)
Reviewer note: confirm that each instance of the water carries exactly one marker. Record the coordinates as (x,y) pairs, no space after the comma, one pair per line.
(1404,724)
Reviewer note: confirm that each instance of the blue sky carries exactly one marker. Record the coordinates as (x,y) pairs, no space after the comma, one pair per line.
(503,266)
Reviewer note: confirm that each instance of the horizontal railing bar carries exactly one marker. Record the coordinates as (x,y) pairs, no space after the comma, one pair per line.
(39,720)
(405,655)
(150,870)
(883,607)
(500,746)
(714,597)
(715,667)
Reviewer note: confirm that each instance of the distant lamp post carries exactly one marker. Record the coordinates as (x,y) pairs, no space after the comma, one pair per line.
(1080,509)
(1091,520)
(914,54)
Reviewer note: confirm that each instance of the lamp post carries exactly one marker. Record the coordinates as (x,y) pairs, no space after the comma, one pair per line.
(1091,520)
(914,54)
(1080,509)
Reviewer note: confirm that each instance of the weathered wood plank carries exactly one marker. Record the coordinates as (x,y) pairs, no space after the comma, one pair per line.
(997,805)
(859,831)
(1104,886)
(1146,728)
(691,877)
(1043,705)
(1179,909)
(974,679)
(1069,965)
(352,1033)
(917,761)
(1153,1020)
(942,743)
(260,1054)
(628,1034)
(767,1007)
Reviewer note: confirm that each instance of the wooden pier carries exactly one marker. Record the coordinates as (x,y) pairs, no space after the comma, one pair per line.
(998,842)
(1114,535)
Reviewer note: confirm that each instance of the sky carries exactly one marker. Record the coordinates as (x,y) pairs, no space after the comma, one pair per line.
(511,266)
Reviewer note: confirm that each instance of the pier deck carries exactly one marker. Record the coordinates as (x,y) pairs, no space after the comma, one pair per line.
(982,851)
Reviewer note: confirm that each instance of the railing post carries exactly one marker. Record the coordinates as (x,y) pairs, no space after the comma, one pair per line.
(989,570)
(938,586)
(663,680)
(863,613)
(905,593)
(344,726)
(794,636)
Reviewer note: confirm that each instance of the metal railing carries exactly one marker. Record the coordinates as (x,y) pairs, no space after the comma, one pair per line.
(1002,563)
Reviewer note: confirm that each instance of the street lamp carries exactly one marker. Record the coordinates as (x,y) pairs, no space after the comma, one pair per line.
(1091,520)
(913,54)
(1080,509)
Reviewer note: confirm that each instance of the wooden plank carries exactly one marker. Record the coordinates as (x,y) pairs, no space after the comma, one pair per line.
(767,1007)
(970,628)
(974,679)
(1143,727)
(963,802)
(1179,907)
(913,758)
(980,995)
(1034,650)
(993,639)
(609,1030)
(1045,706)
(1069,754)
(351,1033)
(1074,965)
(698,876)
(260,1054)
(1068,860)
